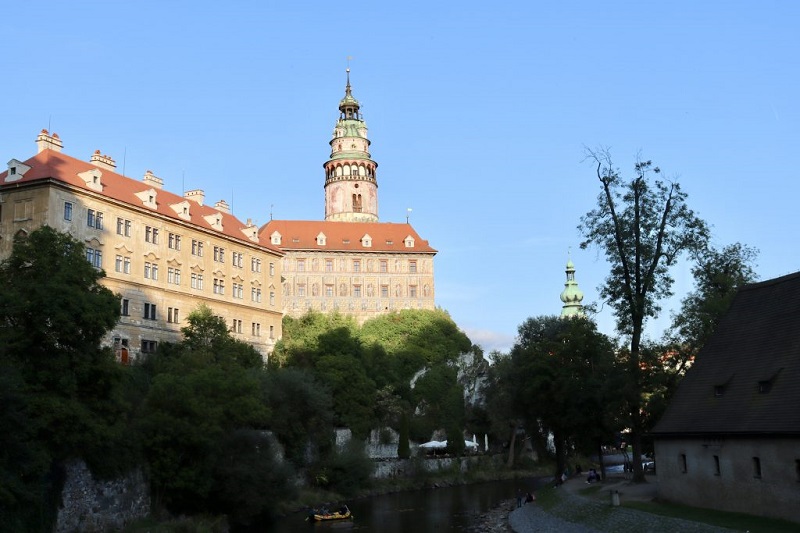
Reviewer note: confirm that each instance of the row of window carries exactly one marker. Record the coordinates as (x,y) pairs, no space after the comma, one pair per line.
(756,465)
(351,305)
(94,219)
(122,265)
(356,291)
(149,312)
(356,264)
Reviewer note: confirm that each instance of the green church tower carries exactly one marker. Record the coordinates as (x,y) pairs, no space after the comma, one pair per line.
(572,296)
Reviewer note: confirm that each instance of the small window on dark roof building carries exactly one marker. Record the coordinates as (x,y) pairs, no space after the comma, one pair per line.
(764,386)
(719,390)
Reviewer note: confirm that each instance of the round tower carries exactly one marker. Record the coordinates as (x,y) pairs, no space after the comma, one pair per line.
(572,296)
(351,186)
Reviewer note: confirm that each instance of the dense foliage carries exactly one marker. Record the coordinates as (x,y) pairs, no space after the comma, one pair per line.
(402,361)
(60,390)
(643,226)
(560,379)
(204,417)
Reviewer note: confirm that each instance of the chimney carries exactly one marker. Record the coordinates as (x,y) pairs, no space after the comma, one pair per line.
(195,195)
(222,206)
(102,161)
(153,180)
(45,141)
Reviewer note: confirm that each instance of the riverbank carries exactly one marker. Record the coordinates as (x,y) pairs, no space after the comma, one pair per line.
(490,469)
(576,507)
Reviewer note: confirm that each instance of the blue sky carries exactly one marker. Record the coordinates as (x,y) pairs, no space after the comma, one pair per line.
(478,113)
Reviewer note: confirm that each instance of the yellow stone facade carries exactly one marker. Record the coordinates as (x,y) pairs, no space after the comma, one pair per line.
(162,253)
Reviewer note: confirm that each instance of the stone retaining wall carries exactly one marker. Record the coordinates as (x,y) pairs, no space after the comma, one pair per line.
(89,505)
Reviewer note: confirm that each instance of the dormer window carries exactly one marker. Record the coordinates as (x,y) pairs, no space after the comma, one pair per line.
(215,221)
(719,390)
(148,198)
(182,210)
(409,242)
(93,179)
(16,170)
(275,238)
(765,385)
(321,239)
(366,241)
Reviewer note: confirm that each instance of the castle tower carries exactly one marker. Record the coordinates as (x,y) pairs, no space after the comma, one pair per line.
(572,296)
(351,188)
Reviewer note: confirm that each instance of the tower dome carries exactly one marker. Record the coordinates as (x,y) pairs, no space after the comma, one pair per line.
(572,296)
(351,185)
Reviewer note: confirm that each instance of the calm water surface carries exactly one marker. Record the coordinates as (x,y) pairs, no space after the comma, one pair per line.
(423,511)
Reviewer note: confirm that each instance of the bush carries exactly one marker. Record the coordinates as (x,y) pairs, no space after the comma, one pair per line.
(349,469)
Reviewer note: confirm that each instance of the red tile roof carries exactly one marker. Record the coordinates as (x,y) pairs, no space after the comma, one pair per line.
(345,236)
(50,164)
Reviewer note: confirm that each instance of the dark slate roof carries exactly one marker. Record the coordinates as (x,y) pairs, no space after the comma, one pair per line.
(755,346)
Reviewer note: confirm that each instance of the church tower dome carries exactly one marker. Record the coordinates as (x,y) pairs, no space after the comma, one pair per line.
(351,186)
(572,296)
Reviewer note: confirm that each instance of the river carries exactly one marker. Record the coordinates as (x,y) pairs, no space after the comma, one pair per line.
(420,511)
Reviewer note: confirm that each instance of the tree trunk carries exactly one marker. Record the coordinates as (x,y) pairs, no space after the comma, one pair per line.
(636,403)
(561,455)
(511,454)
(600,459)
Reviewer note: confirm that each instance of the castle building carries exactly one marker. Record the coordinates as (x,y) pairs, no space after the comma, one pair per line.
(350,262)
(571,296)
(162,253)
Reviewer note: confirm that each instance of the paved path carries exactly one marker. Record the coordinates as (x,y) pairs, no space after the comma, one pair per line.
(577,514)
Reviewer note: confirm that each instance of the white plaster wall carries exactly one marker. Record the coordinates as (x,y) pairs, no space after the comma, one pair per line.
(736,488)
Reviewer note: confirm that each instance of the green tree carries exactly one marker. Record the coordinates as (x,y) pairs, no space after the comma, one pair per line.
(299,345)
(501,404)
(303,425)
(207,334)
(439,400)
(643,226)
(403,448)
(718,274)
(564,381)
(186,417)
(205,330)
(422,335)
(250,481)
(60,389)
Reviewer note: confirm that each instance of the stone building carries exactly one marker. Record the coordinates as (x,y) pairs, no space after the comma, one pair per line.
(350,262)
(162,253)
(730,438)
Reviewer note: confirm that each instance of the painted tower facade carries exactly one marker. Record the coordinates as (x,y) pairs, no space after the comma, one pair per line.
(350,262)
(351,186)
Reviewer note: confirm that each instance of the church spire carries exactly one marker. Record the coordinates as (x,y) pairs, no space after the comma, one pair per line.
(572,296)
(351,186)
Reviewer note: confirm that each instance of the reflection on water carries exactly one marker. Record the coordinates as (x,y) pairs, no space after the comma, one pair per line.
(430,510)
